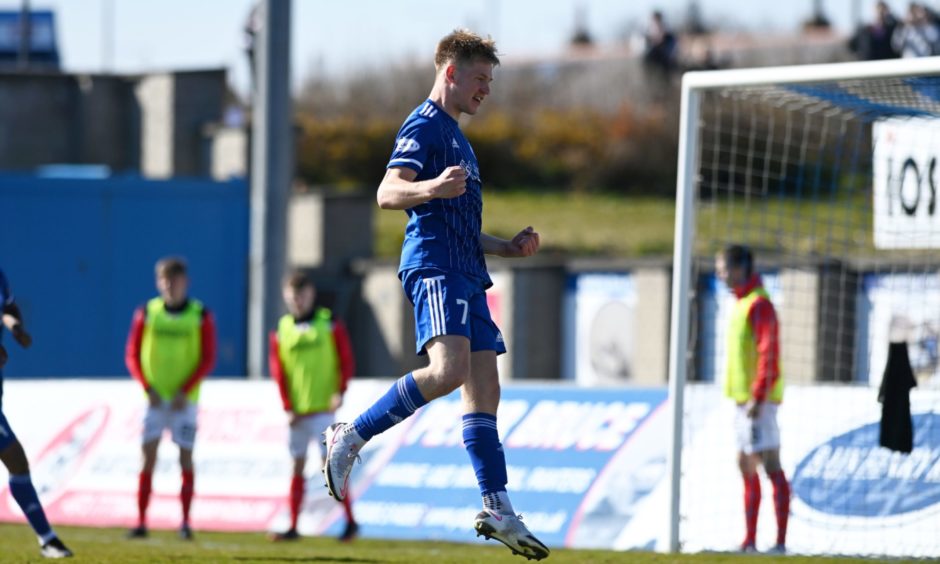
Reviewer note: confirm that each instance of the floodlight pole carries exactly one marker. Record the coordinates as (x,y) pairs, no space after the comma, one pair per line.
(26,33)
(272,158)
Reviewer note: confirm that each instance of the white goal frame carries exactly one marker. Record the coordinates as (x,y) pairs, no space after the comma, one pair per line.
(693,84)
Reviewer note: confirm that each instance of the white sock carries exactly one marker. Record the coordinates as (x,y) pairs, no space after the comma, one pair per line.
(351,434)
(498,502)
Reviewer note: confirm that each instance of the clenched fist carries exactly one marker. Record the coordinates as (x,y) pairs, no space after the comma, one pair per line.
(451,183)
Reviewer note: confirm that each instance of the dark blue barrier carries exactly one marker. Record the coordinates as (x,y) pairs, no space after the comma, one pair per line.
(79,254)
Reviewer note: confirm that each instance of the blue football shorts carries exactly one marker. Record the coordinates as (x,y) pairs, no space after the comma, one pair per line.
(450,303)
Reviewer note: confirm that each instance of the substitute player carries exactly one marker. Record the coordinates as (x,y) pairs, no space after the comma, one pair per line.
(434,177)
(311,359)
(170,349)
(754,381)
(11,451)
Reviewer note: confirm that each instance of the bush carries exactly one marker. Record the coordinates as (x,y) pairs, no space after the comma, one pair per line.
(574,149)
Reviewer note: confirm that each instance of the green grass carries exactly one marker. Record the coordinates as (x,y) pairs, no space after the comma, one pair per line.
(608,225)
(18,544)
(577,224)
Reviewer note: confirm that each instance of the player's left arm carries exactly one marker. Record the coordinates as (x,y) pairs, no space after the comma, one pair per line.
(524,244)
(347,361)
(766,331)
(207,356)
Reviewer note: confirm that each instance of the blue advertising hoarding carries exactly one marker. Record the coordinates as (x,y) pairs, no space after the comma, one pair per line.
(571,454)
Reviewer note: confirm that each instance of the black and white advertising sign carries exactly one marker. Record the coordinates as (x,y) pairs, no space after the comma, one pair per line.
(905,173)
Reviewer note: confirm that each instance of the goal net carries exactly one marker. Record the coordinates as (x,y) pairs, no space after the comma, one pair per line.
(829,174)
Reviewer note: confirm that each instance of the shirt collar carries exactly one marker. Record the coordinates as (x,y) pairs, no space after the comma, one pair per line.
(744,289)
(446,115)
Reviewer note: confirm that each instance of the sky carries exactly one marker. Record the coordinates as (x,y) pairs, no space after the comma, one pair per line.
(335,38)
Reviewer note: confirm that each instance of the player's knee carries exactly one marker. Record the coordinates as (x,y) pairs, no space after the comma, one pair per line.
(149,456)
(451,375)
(186,459)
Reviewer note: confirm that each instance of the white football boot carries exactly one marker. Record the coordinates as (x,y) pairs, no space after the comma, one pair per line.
(509,530)
(342,451)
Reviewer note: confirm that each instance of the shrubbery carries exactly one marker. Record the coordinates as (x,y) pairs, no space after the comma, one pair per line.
(580,150)
(526,137)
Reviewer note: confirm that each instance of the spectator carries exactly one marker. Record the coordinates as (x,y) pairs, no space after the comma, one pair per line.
(919,36)
(873,41)
(660,44)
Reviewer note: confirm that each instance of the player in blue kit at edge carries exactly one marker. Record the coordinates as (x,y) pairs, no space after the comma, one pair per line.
(11,451)
(433,176)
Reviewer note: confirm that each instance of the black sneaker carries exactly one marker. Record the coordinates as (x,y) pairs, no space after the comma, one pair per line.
(288,535)
(350,532)
(55,549)
(139,532)
(186,533)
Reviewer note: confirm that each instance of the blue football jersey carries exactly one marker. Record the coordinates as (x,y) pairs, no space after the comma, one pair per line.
(441,233)
(6,298)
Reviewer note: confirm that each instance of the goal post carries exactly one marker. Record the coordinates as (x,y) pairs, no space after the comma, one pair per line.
(829,173)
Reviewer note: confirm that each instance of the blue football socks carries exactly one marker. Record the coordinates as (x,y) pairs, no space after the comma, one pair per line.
(398,403)
(21,486)
(481,440)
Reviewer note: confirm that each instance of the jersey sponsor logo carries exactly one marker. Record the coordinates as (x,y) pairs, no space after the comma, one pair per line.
(851,475)
(473,173)
(453,143)
(406,145)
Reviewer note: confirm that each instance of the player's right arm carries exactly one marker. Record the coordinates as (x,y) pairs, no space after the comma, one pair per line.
(399,190)
(132,354)
(10,314)
(13,320)
(276,368)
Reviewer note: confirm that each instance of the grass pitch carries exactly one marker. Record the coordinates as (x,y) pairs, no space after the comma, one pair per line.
(18,544)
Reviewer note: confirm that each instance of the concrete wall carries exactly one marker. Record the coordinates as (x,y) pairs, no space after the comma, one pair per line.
(382,326)
(532,328)
(109,122)
(198,99)
(228,149)
(155,97)
(30,109)
(799,326)
(654,284)
(526,305)
(326,230)
(54,118)
(175,108)
(152,123)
